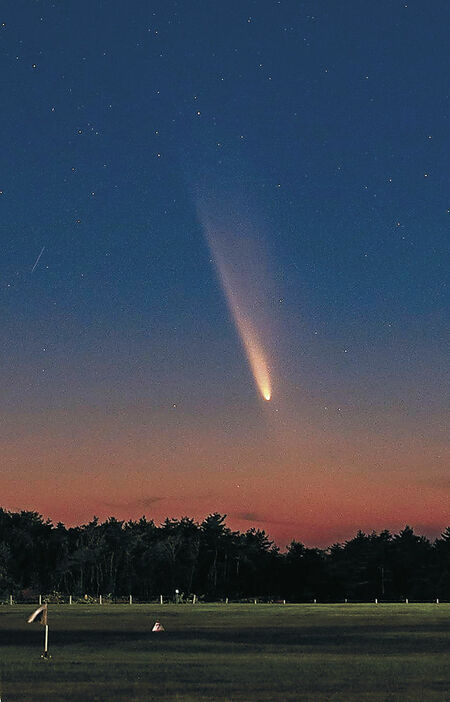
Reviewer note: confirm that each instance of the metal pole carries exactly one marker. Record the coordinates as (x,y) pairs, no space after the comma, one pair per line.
(46,642)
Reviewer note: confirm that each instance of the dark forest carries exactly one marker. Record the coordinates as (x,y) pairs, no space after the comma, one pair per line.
(116,558)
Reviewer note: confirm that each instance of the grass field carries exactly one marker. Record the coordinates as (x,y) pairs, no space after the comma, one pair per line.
(359,653)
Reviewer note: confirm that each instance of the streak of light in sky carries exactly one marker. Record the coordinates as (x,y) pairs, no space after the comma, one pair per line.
(37,260)
(232,265)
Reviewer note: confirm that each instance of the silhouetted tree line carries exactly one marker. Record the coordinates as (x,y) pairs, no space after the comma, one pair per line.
(213,561)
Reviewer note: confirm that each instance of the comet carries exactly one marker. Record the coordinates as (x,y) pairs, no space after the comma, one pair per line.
(239,273)
(250,341)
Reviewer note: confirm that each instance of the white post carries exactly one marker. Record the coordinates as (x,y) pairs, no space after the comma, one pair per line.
(161,601)
(315,601)
(131,599)
(376,600)
(255,601)
(194,599)
(345,600)
(10,600)
(46,642)
(437,600)
(226,600)
(406,601)
(284,601)
(40,599)
(70,599)
(100,599)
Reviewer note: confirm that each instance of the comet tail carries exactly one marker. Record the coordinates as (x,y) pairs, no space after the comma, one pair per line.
(229,275)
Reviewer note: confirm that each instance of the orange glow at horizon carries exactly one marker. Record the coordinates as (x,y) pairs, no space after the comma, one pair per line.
(336,486)
(315,483)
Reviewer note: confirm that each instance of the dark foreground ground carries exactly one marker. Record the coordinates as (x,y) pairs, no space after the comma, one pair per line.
(355,653)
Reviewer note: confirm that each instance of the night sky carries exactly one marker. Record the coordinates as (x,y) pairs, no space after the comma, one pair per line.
(196,192)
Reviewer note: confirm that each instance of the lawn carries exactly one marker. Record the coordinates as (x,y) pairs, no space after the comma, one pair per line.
(318,653)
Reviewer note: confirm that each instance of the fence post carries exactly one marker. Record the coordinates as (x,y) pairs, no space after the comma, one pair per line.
(100,600)
(10,599)
(437,600)
(194,599)
(315,601)
(161,600)
(406,601)
(284,601)
(131,599)
(376,600)
(40,599)
(70,599)
(255,601)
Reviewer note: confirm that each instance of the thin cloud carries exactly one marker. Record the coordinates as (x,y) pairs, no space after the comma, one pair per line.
(141,503)
(250,517)
(440,482)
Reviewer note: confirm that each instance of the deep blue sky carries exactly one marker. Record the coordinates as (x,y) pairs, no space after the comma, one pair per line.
(324,125)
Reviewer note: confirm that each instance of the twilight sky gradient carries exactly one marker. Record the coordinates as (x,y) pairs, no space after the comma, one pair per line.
(179,166)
